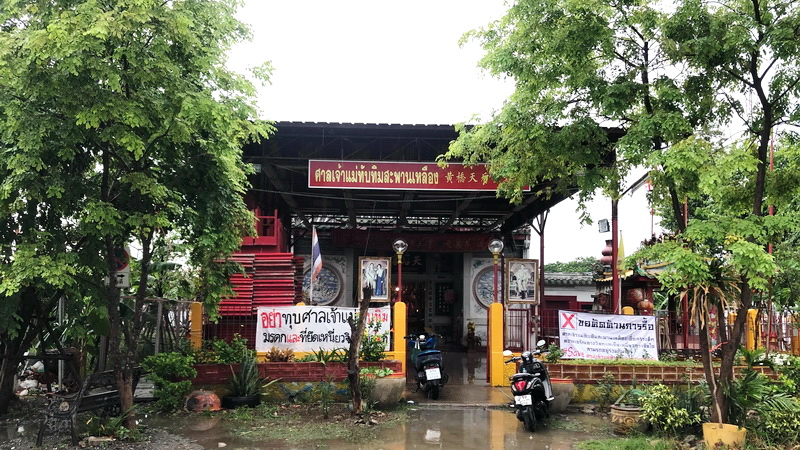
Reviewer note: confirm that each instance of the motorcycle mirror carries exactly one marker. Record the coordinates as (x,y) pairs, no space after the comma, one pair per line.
(540,343)
(507,353)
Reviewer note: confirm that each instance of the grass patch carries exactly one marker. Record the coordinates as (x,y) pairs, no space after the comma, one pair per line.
(630,443)
(290,424)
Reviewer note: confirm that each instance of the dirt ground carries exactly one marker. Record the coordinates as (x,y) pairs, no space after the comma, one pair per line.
(244,427)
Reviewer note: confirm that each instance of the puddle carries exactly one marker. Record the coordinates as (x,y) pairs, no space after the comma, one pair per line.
(468,428)
(425,428)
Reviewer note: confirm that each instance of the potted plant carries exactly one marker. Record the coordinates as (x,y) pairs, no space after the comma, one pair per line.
(626,412)
(245,385)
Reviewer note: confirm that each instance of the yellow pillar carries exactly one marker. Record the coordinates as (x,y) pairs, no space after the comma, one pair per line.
(795,334)
(750,335)
(627,310)
(400,330)
(496,344)
(196,325)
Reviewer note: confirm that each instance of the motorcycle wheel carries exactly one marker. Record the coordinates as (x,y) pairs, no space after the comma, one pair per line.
(433,391)
(529,417)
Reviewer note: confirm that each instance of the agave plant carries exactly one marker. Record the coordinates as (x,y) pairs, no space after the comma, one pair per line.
(246,382)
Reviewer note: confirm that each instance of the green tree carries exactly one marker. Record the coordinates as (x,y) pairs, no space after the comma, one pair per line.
(120,123)
(673,80)
(582,264)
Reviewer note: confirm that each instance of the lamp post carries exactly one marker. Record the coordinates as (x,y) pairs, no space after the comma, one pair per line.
(399,247)
(496,246)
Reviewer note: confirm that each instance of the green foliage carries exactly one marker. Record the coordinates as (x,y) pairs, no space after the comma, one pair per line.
(246,382)
(163,370)
(628,443)
(672,78)
(582,264)
(119,122)
(790,375)
(325,356)
(554,353)
(631,397)
(326,393)
(777,422)
(220,351)
(378,372)
(660,408)
(606,390)
(373,343)
(367,384)
(111,427)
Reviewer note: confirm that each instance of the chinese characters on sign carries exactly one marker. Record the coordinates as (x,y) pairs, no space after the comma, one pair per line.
(398,175)
(607,336)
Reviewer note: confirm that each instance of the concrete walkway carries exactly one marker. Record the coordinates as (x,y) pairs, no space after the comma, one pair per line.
(467,386)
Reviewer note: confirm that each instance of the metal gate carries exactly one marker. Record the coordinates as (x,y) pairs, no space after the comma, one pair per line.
(517,334)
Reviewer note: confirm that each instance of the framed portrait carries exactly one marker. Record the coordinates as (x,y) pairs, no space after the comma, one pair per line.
(375,272)
(522,279)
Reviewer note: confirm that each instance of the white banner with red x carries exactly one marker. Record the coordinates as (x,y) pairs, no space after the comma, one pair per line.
(607,336)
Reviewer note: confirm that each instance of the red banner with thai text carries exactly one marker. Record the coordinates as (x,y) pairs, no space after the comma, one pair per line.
(398,175)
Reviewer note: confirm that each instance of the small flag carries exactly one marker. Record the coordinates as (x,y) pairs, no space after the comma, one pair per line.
(316,256)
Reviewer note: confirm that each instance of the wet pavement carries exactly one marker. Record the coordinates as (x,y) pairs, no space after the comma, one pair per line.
(428,428)
(469,414)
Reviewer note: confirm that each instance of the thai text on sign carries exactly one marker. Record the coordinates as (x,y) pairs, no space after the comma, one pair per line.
(398,175)
(607,336)
(310,328)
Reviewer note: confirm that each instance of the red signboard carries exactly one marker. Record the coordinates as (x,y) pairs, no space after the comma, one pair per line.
(398,175)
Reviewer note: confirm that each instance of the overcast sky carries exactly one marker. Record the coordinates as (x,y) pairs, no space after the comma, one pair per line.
(378,61)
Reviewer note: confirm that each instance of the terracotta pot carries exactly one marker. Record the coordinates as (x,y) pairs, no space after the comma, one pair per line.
(563,389)
(202,400)
(645,307)
(624,419)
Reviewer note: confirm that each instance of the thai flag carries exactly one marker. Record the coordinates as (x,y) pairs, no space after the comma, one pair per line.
(316,256)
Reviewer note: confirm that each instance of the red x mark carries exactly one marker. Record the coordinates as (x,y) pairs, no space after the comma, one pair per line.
(568,320)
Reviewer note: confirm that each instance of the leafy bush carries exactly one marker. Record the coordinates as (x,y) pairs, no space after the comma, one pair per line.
(606,389)
(554,353)
(326,356)
(790,370)
(660,408)
(164,369)
(777,421)
(373,344)
(219,351)
(378,372)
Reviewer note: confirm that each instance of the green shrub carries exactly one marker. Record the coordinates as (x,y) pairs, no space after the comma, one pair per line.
(554,353)
(326,356)
(373,343)
(660,408)
(777,422)
(606,390)
(219,351)
(164,369)
(790,371)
